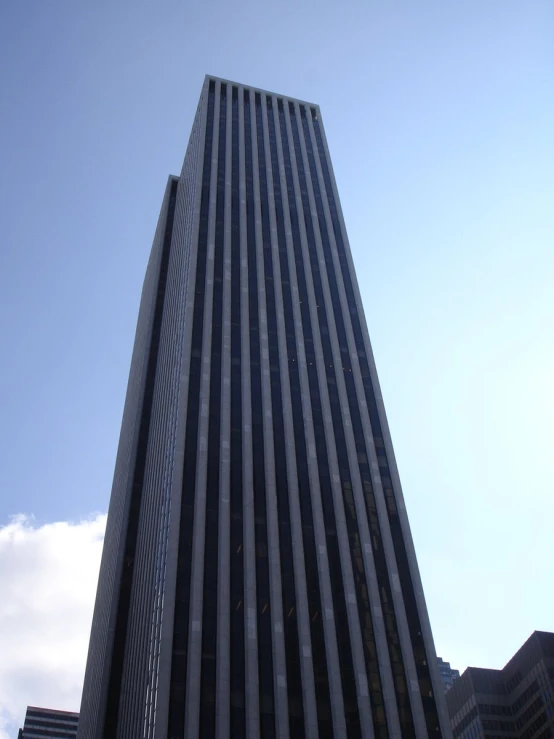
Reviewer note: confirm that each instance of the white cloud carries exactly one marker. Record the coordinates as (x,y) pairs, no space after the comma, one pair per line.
(48,577)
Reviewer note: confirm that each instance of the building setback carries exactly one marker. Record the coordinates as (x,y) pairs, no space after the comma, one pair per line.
(258,577)
(517,701)
(46,723)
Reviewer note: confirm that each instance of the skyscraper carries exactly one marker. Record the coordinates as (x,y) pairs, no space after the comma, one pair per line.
(258,577)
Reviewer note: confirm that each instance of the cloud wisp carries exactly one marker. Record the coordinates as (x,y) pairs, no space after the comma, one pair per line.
(48,577)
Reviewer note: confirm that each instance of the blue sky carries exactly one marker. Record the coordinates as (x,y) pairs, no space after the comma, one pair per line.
(439,118)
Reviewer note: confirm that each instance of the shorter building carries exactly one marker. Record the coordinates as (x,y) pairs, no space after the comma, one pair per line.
(516,702)
(46,723)
(448,675)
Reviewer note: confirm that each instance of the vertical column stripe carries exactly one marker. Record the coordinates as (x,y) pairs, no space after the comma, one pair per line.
(223,684)
(285,625)
(210,601)
(250,594)
(192,698)
(121,646)
(237,641)
(141,646)
(301,692)
(263,605)
(376,639)
(313,658)
(185,513)
(358,723)
(382,543)
(411,583)
(270,617)
(149,580)
(190,225)
(316,461)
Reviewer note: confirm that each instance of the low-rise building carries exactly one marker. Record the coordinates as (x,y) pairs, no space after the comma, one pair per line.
(47,723)
(516,702)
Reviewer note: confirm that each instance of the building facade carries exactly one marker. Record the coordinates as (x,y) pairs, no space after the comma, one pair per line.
(258,577)
(448,675)
(517,701)
(46,723)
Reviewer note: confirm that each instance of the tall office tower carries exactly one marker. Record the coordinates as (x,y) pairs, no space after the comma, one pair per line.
(258,577)
(46,723)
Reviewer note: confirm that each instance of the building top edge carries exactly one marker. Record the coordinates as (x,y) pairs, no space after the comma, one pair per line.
(215,78)
(53,710)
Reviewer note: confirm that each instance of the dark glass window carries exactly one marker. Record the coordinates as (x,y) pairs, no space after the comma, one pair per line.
(337,587)
(237,551)
(465,722)
(524,697)
(265,655)
(343,632)
(366,625)
(211,549)
(182,591)
(299,411)
(122,622)
(422,662)
(290,627)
